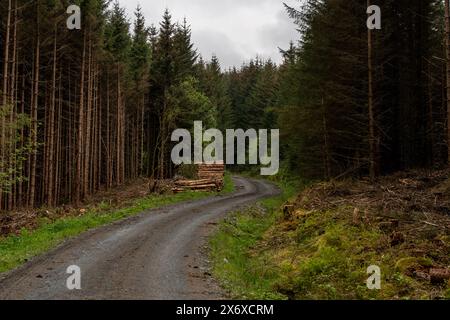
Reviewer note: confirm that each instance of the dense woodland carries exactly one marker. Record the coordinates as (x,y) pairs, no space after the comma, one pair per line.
(85,110)
(366,102)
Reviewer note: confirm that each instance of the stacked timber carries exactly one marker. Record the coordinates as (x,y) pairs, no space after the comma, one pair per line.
(197,185)
(211,171)
(210,178)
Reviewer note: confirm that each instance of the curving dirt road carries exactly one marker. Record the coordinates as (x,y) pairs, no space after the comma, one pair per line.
(159,254)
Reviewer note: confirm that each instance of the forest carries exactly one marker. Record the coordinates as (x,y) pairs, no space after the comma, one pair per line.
(86,110)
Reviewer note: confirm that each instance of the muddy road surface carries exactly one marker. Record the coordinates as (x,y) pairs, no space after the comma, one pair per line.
(159,254)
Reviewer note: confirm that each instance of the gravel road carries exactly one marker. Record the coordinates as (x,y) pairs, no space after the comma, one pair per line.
(159,254)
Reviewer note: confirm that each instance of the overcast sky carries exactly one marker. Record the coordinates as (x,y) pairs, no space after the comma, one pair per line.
(234,30)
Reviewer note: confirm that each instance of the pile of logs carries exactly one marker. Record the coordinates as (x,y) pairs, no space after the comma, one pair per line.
(211,171)
(197,185)
(210,178)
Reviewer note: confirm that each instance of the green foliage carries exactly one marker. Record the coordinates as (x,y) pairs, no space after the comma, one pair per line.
(323,96)
(15,148)
(175,100)
(190,104)
(252,92)
(233,263)
(232,266)
(186,55)
(140,49)
(213,83)
(117,34)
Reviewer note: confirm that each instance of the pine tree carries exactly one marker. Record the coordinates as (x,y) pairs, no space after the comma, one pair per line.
(140,68)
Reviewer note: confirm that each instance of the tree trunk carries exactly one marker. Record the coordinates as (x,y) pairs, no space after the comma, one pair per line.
(51,142)
(79,171)
(372,138)
(326,145)
(5,94)
(6,58)
(108,137)
(141,160)
(447,47)
(88,137)
(34,113)
(13,102)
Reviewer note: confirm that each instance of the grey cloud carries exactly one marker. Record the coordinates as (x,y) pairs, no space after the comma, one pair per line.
(278,35)
(211,43)
(235,30)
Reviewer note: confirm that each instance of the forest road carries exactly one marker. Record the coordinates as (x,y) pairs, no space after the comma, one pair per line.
(159,254)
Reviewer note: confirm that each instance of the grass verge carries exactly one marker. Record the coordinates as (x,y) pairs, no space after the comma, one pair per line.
(324,253)
(17,249)
(241,274)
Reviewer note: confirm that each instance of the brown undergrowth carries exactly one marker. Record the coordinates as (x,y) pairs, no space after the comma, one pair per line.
(117,197)
(321,243)
(409,205)
(400,222)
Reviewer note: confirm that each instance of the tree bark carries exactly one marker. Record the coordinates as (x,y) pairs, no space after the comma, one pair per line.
(79,171)
(51,123)
(447,47)
(87,142)
(5,94)
(34,113)
(372,138)
(13,102)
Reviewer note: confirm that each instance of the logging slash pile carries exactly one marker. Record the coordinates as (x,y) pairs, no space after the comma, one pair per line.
(210,177)
(407,215)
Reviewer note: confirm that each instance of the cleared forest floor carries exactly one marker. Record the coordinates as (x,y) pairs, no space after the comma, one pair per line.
(115,198)
(321,248)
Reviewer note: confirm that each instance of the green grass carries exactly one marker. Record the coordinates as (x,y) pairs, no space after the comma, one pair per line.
(228,185)
(17,249)
(256,254)
(233,265)
(334,256)
(254,258)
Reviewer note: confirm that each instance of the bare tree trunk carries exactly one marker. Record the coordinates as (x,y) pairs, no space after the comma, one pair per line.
(87,152)
(122,151)
(99,133)
(141,160)
(70,139)
(372,138)
(34,121)
(6,56)
(430,118)
(327,156)
(22,140)
(51,142)
(28,188)
(13,102)
(447,47)
(108,137)
(5,94)
(119,131)
(58,182)
(79,173)
(94,133)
